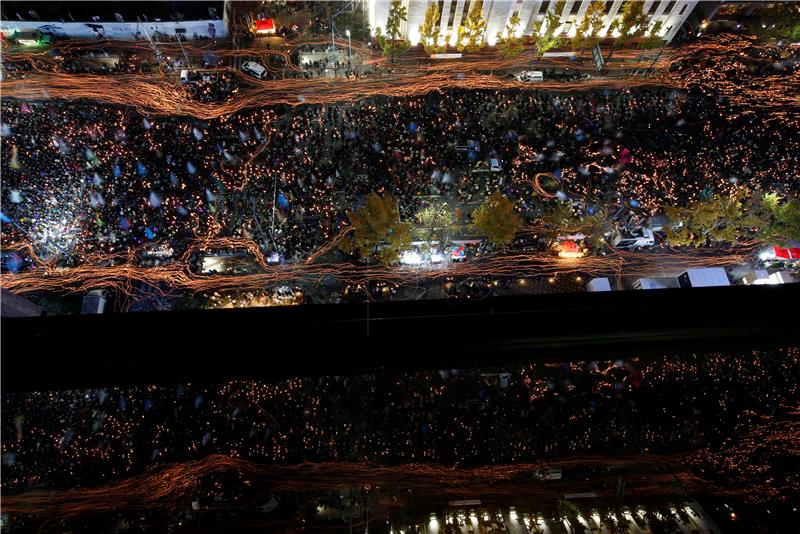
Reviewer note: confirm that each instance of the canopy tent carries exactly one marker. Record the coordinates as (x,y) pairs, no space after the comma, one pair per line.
(265,26)
(787,253)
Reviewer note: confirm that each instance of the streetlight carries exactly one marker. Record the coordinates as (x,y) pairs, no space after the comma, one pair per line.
(349,49)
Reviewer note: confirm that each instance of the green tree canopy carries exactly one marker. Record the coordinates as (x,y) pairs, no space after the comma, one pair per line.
(782,21)
(508,44)
(780,217)
(377,230)
(587,33)
(722,218)
(652,39)
(471,32)
(549,38)
(397,14)
(428,30)
(496,218)
(560,219)
(390,42)
(631,24)
(436,218)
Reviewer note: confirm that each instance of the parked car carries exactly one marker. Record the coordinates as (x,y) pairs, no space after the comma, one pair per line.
(531,76)
(633,239)
(549,473)
(32,38)
(254,69)
(199,76)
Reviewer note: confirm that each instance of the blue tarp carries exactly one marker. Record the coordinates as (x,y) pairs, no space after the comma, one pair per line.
(283,202)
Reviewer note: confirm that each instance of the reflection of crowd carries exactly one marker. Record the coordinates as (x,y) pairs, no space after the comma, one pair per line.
(531,413)
(137,179)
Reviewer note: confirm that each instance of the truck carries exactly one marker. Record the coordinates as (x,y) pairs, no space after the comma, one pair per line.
(707,277)
(764,277)
(94,302)
(598,284)
(656,283)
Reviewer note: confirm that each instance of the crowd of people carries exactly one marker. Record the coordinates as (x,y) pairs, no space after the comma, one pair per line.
(531,413)
(82,178)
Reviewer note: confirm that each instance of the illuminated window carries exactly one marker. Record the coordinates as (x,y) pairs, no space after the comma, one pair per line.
(452,16)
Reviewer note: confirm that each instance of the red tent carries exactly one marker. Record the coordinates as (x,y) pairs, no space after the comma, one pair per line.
(787,253)
(569,246)
(570,249)
(265,26)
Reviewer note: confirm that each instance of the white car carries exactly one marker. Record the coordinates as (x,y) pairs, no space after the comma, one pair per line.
(494,165)
(531,76)
(636,238)
(254,69)
(551,473)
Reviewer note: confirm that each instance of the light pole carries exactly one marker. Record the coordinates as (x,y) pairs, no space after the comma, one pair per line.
(333,35)
(274,199)
(333,43)
(349,49)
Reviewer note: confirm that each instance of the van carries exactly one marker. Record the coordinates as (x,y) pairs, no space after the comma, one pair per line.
(254,69)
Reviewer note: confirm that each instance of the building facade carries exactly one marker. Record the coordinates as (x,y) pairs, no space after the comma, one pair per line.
(673,13)
(124,21)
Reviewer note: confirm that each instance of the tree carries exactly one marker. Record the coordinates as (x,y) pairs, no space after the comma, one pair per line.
(390,42)
(559,219)
(496,218)
(428,30)
(780,219)
(549,39)
(588,32)
(569,511)
(782,21)
(597,225)
(435,217)
(355,22)
(470,34)
(653,40)
(631,24)
(508,43)
(718,219)
(377,230)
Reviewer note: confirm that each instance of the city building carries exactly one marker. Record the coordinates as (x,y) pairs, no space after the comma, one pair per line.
(532,15)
